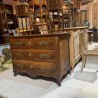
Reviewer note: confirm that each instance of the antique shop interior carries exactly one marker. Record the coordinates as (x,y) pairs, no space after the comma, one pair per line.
(48,48)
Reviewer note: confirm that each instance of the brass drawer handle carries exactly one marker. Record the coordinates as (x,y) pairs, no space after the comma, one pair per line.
(44,56)
(17,43)
(18,55)
(44,69)
(29,43)
(43,43)
(20,65)
(30,54)
(31,66)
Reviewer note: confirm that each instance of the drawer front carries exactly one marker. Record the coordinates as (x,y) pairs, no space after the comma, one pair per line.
(49,43)
(45,43)
(34,55)
(21,43)
(40,67)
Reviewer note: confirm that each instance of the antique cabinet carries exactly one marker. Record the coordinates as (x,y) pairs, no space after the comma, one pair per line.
(41,55)
(7,19)
(78,34)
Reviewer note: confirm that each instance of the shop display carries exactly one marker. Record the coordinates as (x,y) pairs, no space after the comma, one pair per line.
(44,34)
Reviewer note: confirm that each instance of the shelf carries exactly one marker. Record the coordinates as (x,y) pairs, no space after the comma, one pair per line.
(39,24)
(9,13)
(60,21)
(10,23)
(24,30)
(39,15)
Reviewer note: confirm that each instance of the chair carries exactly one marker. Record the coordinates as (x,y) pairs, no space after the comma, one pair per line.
(86,53)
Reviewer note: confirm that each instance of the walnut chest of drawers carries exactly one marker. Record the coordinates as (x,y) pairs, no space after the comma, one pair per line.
(41,55)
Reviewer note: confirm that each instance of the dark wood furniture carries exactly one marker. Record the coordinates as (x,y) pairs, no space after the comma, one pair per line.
(68,14)
(3,24)
(44,55)
(93,35)
(39,15)
(90,33)
(7,19)
(62,15)
(55,7)
(22,1)
(24,19)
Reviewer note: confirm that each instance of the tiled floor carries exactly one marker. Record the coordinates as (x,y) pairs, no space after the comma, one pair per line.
(76,85)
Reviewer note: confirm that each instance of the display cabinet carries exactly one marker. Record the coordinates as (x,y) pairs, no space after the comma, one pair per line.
(68,9)
(61,14)
(40,15)
(24,19)
(55,9)
(3,24)
(7,18)
(10,17)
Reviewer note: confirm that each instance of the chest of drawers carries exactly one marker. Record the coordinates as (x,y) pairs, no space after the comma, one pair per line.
(41,55)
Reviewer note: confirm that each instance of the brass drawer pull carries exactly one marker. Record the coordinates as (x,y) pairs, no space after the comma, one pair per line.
(29,43)
(30,54)
(20,65)
(17,43)
(44,69)
(18,55)
(44,56)
(31,66)
(43,43)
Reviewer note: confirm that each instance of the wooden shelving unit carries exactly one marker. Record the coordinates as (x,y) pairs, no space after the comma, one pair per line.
(62,14)
(7,18)
(24,19)
(40,15)
(68,14)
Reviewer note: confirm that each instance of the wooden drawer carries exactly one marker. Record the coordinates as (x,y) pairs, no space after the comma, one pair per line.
(45,43)
(34,55)
(21,43)
(40,67)
(34,43)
